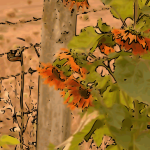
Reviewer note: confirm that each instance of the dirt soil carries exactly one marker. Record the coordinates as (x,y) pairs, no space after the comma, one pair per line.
(23,10)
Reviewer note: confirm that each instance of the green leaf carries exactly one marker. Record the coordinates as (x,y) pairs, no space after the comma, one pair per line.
(9,140)
(122,137)
(86,39)
(142,141)
(79,137)
(104,28)
(122,7)
(146,10)
(103,82)
(146,56)
(142,3)
(107,40)
(127,124)
(97,124)
(99,133)
(110,97)
(125,99)
(112,147)
(116,115)
(143,25)
(117,54)
(133,77)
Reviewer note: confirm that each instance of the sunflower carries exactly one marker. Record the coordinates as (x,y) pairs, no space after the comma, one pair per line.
(106,49)
(79,3)
(129,39)
(74,67)
(82,97)
(53,76)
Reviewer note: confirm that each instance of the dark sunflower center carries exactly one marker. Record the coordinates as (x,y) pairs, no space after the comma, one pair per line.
(84,93)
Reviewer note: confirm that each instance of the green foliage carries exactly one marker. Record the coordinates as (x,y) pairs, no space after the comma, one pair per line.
(112,147)
(120,114)
(142,141)
(97,124)
(99,133)
(104,28)
(86,39)
(111,96)
(146,10)
(122,137)
(79,137)
(133,76)
(143,25)
(116,114)
(8,140)
(117,54)
(120,9)
(107,40)
(146,56)
(126,100)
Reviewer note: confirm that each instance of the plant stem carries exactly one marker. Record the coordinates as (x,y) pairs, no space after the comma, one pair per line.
(21,103)
(135,12)
(109,70)
(136,109)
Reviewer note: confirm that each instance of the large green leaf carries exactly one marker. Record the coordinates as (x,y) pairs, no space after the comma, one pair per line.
(142,3)
(134,77)
(116,114)
(146,10)
(142,141)
(110,97)
(122,137)
(126,100)
(99,133)
(86,39)
(122,7)
(103,83)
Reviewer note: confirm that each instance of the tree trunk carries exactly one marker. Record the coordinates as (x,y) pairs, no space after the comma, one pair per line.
(54,118)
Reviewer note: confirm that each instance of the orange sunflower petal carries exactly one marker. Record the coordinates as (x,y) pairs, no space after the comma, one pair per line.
(141,40)
(147,43)
(132,38)
(106,49)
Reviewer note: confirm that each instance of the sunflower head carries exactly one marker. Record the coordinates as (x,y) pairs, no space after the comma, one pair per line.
(84,93)
(130,39)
